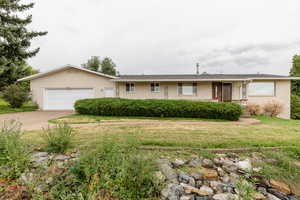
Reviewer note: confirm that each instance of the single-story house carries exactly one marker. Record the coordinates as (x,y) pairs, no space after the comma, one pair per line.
(60,88)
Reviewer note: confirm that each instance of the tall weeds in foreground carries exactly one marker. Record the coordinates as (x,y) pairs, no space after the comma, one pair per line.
(13,152)
(59,138)
(115,167)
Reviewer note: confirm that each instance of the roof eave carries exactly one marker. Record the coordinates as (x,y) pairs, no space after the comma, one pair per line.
(39,75)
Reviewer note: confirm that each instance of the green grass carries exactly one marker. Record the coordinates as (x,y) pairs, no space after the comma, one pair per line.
(5,108)
(84,119)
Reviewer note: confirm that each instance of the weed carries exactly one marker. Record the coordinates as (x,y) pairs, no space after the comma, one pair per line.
(59,138)
(13,152)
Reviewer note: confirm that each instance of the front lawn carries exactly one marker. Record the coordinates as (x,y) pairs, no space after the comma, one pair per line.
(5,108)
(85,119)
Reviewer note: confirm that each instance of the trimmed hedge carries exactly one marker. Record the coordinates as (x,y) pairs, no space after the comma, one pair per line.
(158,108)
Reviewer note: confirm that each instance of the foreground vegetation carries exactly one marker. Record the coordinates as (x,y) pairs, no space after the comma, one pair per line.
(6,108)
(111,164)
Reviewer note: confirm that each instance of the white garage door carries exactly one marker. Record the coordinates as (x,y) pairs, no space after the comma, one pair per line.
(64,99)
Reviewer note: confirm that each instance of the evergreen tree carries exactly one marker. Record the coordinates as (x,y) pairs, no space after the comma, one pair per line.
(108,67)
(93,64)
(295,71)
(15,40)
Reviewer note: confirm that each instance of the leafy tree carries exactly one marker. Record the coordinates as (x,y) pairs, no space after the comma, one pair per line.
(295,107)
(15,40)
(295,71)
(93,64)
(108,66)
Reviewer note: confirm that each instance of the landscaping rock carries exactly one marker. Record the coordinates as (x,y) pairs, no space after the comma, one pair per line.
(272,197)
(62,157)
(210,174)
(178,163)
(223,196)
(281,187)
(278,194)
(192,190)
(172,192)
(207,163)
(168,172)
(40,157)
(196,175)
(183,178)
(258,196)
(245,165)
(196,162)
(187,197)
(207,189)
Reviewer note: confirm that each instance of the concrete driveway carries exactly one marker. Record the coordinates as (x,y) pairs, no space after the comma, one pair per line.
(34,120)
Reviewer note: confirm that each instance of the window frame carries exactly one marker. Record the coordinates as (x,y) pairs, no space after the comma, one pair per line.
(154,87)
(194,87)
(131,87)
(249,94)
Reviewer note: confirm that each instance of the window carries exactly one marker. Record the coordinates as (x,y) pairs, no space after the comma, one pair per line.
(261,89)
(187,88)
(129,87)
(155,87)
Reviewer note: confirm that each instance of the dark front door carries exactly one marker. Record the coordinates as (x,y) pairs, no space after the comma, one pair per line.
(217,91)
(227,92)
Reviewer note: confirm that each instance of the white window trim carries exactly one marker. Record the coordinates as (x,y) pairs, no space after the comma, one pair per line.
(253,95)
(155,91)
(130,91)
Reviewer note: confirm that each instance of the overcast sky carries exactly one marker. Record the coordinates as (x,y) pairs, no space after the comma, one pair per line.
(169,36)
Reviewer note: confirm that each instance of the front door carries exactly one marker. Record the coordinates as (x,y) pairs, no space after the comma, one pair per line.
(227,92)
(217,91)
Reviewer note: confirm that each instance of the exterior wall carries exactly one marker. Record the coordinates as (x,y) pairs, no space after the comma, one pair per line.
(168,90)
(70,78)
(282,95)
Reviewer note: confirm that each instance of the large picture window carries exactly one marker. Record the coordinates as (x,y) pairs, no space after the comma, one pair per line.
(261,89)
(187,88)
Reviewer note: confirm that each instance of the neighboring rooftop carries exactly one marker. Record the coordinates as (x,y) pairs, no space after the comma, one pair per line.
(201,77)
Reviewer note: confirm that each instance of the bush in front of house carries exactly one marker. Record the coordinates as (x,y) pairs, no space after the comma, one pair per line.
(295,107)
(254,108)
(158,108)
(273,108)
(15,95)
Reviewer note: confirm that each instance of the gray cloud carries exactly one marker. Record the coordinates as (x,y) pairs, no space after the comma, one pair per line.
(169,36)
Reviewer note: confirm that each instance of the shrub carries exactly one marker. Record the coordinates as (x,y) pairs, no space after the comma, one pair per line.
(115,167)
(273,108)
(59,138)
(159,108)
(295,107)
(254,108)
(13,152)
(15,95)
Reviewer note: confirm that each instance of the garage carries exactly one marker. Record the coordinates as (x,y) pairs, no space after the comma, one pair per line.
(64,99)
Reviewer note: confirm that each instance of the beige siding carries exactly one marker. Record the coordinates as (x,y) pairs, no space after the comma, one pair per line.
(167,90)
(71,78)
(282,94)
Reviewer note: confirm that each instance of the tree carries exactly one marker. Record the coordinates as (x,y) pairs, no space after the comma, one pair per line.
(9,75)
(15,40)
(15,95)
(295,71)
(93,64)
(108,66)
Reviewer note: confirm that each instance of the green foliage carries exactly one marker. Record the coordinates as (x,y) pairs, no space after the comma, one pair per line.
(15,95)
(59,138)
(159,108)
(15,40)
(93,64)
(115,166)
(106,66)
(295,107)
(13,152)
(295,71)
(245,189)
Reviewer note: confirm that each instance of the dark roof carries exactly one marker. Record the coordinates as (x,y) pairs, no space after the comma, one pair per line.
(199,77)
